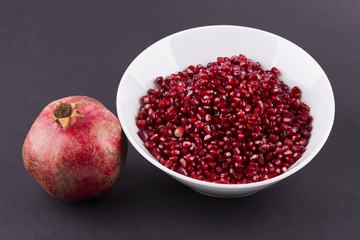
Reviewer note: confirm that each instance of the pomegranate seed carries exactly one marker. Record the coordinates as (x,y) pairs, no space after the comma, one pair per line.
(305,133)
(303,142)
(156,153)
(212,176)
(143,135)
(175,152)
(182,171)
(168,164)
(150,144)
(194,102)
(229,121)
(289,160)
(208,118)
(298,149)
(204,165)
(145,99)
(296,156)
(275,71)
(288,142)
(208,138)
(287,152)
(186,144)
(141,124)
(154,137)
(295,91)
(273,138)
(179,131)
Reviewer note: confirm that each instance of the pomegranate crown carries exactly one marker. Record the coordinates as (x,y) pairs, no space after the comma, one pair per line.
(63,112)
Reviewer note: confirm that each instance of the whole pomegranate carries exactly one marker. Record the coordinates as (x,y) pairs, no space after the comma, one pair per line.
(75,149)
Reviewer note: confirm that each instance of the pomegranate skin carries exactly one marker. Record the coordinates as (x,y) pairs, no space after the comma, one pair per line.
(83,161)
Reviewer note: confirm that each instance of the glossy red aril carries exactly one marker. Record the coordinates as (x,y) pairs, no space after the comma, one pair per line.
(76,148)
(229,121)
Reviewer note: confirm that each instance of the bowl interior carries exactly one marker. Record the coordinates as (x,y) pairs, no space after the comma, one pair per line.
(202,45)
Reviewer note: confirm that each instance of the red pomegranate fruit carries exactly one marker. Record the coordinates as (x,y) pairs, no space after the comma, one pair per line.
(75,149)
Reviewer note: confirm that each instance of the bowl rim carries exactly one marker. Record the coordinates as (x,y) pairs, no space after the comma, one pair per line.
(193,181)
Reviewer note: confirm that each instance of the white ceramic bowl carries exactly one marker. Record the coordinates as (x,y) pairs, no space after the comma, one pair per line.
(204,44)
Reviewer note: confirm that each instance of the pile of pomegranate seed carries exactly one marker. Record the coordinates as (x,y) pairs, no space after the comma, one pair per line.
(229,122)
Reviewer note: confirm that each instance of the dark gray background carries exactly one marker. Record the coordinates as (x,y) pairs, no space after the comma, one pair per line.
(53,49)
